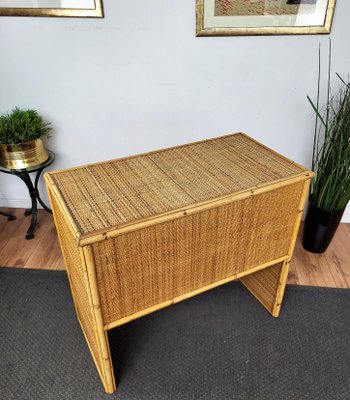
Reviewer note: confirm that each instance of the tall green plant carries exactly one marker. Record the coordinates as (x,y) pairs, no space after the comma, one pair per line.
(330,189)
(21,126)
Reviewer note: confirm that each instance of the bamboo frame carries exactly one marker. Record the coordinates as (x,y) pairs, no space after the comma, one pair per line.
(85,239)
(55,195)
(276,306)
(87,264)
(266,30)
(300,214)
(97,236)
(281,288)
(184,145)
(256,286)
(95,327)
(105,234)
(269,277)
(186,296)
(109,381)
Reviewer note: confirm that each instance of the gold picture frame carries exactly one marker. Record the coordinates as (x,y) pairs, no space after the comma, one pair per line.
(206,20)
(96,12)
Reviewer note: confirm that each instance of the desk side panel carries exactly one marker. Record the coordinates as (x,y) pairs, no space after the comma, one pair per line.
(268,285)
(77,275)
(141,269)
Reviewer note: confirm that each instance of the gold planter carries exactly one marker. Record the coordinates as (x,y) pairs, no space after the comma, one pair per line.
(23,155)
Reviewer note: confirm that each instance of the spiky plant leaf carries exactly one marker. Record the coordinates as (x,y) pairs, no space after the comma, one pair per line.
(21,126)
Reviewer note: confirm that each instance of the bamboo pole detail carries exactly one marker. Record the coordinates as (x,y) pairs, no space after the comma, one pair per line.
(109,380)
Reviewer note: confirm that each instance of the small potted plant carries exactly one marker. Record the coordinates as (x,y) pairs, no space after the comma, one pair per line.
(21,133)
(330,190)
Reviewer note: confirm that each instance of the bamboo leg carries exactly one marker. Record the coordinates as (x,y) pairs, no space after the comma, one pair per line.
(107,374)
(299,216)
(268,286)
(281,288)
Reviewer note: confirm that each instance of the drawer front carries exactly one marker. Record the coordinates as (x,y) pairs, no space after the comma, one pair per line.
(146,267)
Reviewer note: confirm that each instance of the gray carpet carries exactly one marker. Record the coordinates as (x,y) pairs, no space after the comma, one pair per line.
(219,345)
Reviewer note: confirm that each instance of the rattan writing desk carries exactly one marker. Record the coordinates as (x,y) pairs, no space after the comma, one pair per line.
(144,232)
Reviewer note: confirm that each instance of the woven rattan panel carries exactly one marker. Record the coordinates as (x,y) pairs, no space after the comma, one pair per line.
(264,284)
(77,281)
(114,193)
(155,264)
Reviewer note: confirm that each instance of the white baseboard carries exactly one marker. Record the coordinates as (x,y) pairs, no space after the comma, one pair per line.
(19,203)
(346,218)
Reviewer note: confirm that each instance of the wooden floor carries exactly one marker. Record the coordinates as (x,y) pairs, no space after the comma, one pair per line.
(330,269)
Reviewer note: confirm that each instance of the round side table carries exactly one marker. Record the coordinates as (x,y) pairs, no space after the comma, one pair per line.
(33,189)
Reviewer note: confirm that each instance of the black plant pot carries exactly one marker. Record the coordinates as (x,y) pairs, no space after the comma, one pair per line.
(319,228)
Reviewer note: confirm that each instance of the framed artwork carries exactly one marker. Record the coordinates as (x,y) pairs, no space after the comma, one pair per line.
(263,17)
(52,8)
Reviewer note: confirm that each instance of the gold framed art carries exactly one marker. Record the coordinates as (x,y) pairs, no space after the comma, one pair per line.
(52,8)
(263,17)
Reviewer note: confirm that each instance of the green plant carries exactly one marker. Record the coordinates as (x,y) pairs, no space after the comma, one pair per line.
(21,126)
(330,189)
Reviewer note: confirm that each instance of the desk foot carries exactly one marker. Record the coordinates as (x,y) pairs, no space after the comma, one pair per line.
(268,285)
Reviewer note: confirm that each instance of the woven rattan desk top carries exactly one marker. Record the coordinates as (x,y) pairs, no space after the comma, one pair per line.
(109,195)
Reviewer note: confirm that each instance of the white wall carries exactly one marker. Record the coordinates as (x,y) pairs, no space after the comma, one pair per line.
(139,80)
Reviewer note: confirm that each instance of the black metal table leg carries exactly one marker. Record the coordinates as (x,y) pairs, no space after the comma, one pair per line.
(9,216)
(34,210)
(38,194)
